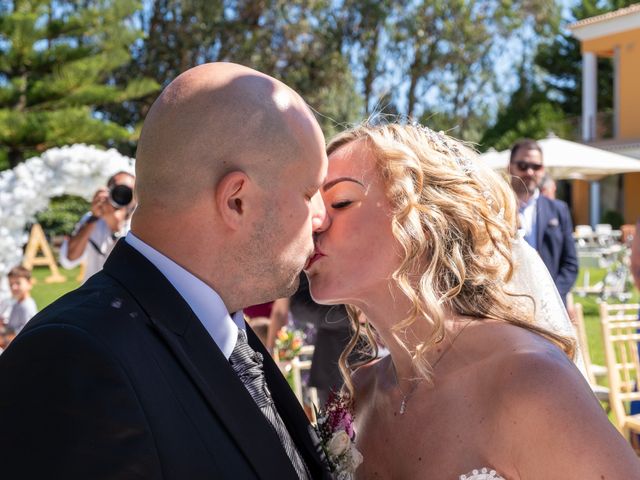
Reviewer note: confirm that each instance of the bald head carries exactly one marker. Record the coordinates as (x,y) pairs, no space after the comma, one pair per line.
(214,119)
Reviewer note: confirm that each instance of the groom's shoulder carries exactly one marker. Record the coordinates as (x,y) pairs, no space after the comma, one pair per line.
(95,308)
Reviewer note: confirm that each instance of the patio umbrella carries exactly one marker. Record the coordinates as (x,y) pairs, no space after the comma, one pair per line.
(566,160)
(571,160)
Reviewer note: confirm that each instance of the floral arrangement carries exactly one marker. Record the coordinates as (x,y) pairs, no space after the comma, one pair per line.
(337,436)
(288,343)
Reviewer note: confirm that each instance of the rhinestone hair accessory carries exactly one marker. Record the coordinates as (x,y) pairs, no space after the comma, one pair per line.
(444,144)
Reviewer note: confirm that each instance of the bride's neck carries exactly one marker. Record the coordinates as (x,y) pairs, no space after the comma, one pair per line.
(402,344)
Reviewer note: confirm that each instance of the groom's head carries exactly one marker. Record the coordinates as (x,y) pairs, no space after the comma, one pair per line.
(228,168)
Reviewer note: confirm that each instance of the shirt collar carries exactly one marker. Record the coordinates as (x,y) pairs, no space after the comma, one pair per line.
(203,300)
(532,200)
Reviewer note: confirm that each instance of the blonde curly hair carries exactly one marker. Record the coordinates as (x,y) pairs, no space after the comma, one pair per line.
(453,213)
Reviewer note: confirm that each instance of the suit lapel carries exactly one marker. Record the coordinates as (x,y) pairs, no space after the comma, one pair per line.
(542,219)
(202,360)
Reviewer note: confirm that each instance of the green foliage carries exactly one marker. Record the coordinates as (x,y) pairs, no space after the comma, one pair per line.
(46,293)
(62,215)
(527,115)
(613,218)
(549,96)
(561,62)
(56,60)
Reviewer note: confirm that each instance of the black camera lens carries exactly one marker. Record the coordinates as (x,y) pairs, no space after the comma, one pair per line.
(120,196)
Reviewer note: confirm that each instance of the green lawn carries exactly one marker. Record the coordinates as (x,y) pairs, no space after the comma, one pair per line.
(591,311)
(45,293)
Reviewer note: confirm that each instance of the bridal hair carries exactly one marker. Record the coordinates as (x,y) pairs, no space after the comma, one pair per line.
(455,220)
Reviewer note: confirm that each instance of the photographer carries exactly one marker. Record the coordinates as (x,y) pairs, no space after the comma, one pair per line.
(97,231)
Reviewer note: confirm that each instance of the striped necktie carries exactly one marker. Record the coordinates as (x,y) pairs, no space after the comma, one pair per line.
(247,364)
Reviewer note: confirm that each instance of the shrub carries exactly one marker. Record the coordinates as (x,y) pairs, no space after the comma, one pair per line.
(62,215)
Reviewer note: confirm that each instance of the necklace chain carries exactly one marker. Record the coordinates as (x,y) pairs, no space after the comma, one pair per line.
(415,382)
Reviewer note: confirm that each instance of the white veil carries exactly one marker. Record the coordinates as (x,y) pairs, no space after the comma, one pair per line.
(531,277)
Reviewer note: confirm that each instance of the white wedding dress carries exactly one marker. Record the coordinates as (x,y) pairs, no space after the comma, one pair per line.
(481,474)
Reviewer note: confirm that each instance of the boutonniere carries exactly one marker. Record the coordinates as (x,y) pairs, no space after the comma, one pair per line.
(337,436)
(554,222)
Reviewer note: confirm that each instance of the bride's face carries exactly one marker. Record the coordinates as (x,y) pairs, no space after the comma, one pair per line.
(357,253)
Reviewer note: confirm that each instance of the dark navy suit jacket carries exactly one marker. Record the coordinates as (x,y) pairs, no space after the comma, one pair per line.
(555,242)
(119,379)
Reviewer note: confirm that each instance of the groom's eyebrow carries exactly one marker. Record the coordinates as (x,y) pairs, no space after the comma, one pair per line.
(335,181)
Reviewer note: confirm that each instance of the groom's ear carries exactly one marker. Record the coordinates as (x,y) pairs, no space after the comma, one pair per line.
(231,198)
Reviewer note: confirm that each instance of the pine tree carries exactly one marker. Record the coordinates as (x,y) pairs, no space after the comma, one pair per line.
(56,60)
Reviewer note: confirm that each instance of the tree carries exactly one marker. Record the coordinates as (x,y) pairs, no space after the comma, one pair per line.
(528,114)
(300,42)
(549,96)
(448,51)
(55,65)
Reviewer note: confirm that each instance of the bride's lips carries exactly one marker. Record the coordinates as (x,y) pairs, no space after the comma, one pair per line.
(314,258)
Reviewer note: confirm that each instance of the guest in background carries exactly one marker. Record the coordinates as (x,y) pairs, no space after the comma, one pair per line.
(95,234)
(546,223)
(548,187)
(23,307)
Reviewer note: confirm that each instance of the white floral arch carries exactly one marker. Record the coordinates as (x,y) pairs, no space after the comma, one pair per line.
(27,189)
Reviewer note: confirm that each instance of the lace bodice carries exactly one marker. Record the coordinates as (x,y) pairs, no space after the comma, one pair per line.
(481,474)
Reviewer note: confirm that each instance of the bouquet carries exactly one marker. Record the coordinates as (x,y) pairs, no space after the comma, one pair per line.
(335,428)
(288,343)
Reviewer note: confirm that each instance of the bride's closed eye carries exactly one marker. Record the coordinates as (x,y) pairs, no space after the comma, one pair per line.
(341,204)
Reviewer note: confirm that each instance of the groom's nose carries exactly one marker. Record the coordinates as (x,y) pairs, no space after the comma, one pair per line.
(319,217)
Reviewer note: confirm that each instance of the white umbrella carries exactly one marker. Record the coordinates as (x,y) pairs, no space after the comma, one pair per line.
(571,160)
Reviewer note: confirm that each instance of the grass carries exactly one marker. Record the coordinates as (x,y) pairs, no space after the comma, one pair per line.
(590,306)
(45,293)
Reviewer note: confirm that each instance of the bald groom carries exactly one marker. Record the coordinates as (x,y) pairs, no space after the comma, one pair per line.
(148,370)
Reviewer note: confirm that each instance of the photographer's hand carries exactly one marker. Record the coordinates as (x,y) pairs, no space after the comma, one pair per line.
(100,207)
(100,202)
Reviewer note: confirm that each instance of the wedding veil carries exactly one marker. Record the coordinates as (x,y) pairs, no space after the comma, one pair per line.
(532,278)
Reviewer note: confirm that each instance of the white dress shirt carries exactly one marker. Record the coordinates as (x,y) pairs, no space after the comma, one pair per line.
(203,300)
(528,219)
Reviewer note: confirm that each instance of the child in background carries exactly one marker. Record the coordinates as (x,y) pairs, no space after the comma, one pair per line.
(24,307)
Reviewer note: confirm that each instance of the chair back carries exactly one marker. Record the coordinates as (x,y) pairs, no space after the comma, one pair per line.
(583,230)
(583,342)
(621,334)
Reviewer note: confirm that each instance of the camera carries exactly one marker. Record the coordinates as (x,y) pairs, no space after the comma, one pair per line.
(120,196)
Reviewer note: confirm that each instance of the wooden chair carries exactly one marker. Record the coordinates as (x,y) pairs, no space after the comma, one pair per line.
(295,367)
(621,334)
(594,372)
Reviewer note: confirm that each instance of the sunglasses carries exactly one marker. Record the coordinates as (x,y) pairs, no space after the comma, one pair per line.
(524,166)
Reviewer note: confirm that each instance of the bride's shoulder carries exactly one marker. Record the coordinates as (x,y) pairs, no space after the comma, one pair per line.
(520,359)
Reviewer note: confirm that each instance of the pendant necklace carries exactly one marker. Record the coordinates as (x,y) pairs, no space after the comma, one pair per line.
(414,383)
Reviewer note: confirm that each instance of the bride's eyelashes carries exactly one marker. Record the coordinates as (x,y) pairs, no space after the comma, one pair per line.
(341,204)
